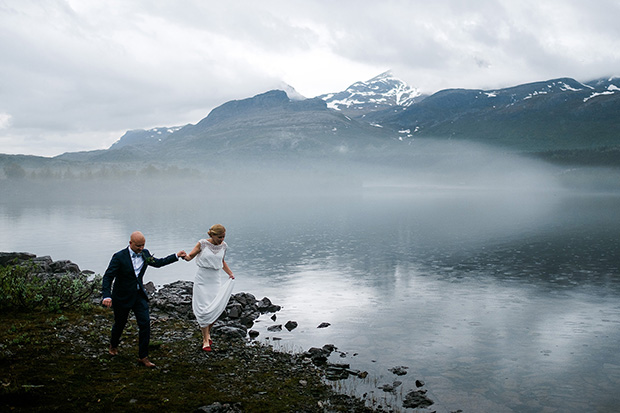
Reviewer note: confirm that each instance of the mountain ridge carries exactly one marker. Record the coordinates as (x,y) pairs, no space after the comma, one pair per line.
(556,114)
(375,121)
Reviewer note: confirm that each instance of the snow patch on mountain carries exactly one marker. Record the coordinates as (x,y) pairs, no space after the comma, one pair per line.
(594,95)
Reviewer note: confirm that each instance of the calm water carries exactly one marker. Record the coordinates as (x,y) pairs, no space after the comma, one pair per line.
(500,301)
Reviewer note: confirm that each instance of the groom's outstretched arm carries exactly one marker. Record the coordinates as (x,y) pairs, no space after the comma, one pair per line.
(160,262)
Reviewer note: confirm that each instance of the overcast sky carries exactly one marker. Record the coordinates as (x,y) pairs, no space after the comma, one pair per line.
(76,74)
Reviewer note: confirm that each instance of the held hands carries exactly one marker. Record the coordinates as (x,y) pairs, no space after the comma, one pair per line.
(182,254)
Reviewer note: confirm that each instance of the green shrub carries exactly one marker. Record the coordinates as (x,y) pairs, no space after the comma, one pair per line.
(21,288)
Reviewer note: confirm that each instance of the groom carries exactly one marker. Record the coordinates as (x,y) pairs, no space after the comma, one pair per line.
(126,269)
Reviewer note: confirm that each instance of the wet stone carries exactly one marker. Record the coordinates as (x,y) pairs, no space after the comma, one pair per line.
(399,370)
(290,325)
(416,399)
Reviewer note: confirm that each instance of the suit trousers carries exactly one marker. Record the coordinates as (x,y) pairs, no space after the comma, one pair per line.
(141,311)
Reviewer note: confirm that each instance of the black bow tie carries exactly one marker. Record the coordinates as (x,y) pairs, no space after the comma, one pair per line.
(134,255)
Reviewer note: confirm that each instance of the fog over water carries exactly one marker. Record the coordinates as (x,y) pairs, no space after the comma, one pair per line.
(480,271)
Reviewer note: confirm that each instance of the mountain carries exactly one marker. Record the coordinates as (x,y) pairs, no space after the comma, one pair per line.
(381,92)
(550,116)
(141,137)
(272,127)
(559,114)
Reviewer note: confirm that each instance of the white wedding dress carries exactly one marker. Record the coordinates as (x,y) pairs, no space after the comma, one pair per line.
(212,286)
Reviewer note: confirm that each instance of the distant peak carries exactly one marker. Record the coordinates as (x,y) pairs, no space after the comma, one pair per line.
(385,75)
(381,92)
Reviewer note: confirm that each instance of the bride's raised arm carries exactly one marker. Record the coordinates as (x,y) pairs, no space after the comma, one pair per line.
(193,252)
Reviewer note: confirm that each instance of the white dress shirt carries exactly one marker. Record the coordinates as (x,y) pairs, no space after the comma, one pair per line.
(137,261)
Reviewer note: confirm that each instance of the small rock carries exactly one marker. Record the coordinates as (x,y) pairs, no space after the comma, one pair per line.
(324,325)
(253,334)
(230,331)
(337,371)
(290,325)
(150,288)
(218,408)
(329,348)
(390,388)
(399,370)
(276,327)
(415,399)
(317,355)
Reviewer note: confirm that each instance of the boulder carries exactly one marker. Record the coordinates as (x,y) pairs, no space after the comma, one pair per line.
(64,266)
(174,299)
(43,266)
(7,258)
(266,306)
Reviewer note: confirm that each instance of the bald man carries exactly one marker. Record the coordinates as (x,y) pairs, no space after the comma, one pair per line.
(126,271)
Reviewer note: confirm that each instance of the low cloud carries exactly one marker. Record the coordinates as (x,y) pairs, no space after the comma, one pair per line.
(78,68)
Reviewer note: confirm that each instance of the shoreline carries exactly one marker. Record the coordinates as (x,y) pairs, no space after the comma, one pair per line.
(83,337)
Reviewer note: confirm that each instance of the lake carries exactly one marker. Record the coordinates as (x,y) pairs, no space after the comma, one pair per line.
(500,300)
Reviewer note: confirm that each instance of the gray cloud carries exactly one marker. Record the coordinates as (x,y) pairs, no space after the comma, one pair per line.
(76,74)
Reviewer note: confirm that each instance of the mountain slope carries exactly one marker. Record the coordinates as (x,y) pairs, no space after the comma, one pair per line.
(270,126)
(144,137)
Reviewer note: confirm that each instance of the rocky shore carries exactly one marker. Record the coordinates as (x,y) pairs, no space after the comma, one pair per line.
(60,362)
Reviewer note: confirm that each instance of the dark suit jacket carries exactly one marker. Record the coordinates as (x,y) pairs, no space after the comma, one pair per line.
(120,272)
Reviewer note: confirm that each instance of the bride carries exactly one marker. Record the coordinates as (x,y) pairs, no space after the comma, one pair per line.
(213,283)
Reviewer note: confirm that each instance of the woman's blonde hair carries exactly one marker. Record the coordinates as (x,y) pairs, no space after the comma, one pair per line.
(216,230)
